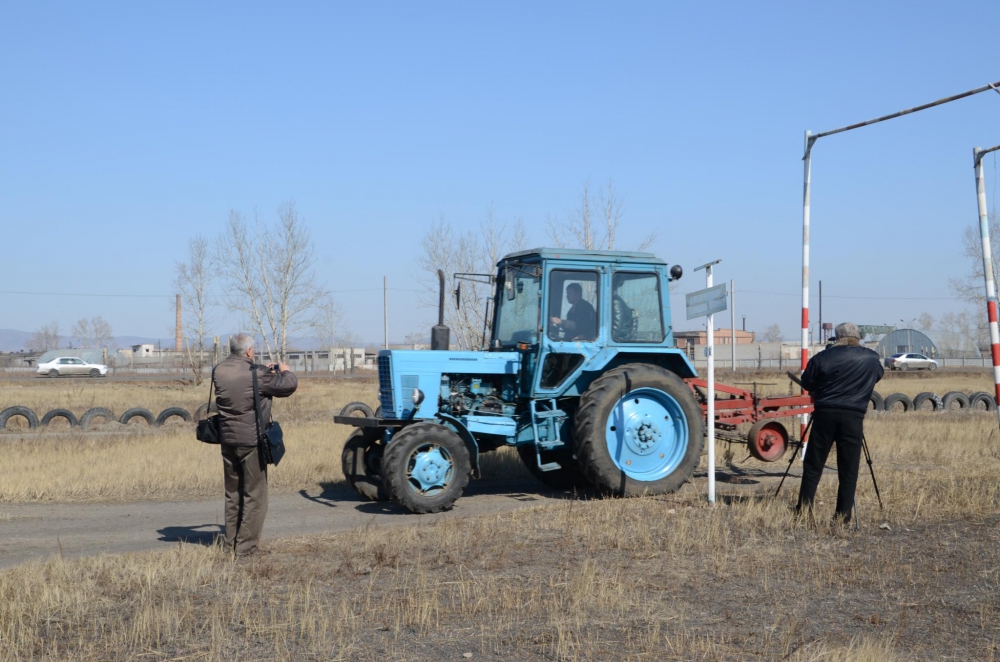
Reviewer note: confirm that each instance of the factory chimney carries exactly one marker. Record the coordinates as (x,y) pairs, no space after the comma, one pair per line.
(178,334)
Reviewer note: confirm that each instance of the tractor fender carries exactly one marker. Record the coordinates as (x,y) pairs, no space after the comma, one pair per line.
(470,441)
(672,360)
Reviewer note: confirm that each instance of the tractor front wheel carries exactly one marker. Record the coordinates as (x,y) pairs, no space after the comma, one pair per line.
(426,467)
(361,462)
(638,430)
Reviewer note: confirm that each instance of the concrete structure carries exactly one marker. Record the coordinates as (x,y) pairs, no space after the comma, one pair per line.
(144,350)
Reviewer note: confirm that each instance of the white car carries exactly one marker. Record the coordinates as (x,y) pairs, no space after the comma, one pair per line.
(910,361)
(71,365)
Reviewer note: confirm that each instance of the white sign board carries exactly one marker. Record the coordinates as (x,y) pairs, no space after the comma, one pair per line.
(707,302)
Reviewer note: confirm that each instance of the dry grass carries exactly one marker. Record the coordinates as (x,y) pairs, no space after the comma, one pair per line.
(663,578)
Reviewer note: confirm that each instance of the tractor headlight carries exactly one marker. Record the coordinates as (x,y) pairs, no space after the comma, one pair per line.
(418,396)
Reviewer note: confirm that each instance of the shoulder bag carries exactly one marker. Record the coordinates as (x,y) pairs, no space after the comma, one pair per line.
(208,427)
(270,444)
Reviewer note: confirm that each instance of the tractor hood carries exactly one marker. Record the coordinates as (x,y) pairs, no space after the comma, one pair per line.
(402,371)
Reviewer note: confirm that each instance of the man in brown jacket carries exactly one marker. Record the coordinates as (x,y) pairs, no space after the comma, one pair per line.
(246,473)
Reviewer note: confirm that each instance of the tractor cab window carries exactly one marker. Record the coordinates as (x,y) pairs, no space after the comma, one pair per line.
(517,308)
(573,304)
(636,308)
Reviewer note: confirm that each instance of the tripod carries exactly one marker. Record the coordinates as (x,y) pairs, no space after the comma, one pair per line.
(868,459)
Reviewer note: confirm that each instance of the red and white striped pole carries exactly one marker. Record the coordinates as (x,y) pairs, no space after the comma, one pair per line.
(806,193)
(991,291)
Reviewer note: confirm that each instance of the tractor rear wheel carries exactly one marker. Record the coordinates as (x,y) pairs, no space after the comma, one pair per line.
(426,467)
(361,462)
(567,478)
(638,430)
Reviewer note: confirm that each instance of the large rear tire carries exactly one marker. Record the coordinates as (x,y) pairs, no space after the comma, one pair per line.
(361,462)
(568,477)
(426,467)
(638,430)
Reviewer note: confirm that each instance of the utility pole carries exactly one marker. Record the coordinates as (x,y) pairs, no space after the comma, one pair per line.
(732,317)
(988,275)
(822,335)
(385,308)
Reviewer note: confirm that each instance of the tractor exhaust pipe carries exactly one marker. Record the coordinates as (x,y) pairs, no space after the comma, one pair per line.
(440,334)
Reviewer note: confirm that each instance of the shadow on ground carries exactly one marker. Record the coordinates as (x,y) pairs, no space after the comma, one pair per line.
(202,534)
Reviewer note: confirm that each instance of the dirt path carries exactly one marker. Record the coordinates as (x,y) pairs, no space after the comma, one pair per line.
(37,531)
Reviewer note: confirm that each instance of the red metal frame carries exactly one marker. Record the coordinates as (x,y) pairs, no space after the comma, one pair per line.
(743,407)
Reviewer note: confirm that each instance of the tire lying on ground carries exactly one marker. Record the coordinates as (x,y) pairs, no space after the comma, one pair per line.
(172,411)
(60,413)
(923,399)
(638,430)
(357,409)
(898,402)
(202,411)
(955,400)
(139,412)
(877,402)
(982,401)
(10,412)
(96,412)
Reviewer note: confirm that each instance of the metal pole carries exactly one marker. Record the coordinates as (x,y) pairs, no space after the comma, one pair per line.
(385,308)
(988,275)
(806,203)
(710,418)
(821,336)
(732,317)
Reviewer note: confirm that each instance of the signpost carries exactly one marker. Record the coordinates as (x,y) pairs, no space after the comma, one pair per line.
(705,303)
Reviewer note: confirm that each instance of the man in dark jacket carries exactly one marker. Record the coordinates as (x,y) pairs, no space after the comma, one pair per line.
(841,380)
(580,322)
(245,471)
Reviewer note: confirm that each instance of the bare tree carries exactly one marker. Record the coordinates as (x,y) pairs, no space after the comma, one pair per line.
(102,332)
(45,338)
(971,288)
(772,334)
(269,273)
(95,332)
(327,322)
(81,331)
(581,230)
(471,252)
(926,321)
(192,280)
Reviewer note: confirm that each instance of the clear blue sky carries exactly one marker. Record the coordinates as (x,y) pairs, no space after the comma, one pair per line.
(127,128)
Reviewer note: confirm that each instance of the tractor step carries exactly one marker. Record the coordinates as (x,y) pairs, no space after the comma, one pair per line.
(554,413)
(550,466)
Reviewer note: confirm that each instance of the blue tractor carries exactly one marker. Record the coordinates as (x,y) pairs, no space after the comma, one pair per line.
(580,376)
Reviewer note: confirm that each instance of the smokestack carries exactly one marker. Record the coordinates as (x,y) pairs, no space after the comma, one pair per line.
(178,335)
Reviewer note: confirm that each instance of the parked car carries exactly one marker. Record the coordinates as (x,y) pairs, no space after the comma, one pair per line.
(910,361)
(71,365)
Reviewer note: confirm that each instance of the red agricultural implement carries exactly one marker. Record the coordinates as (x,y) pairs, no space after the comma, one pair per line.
(767,439)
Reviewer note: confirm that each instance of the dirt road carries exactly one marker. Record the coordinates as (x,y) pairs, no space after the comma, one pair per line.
(37,531)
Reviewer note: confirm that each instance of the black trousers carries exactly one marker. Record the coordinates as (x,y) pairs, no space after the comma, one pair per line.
(847,431)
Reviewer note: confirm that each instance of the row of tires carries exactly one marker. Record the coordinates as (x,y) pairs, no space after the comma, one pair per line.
(95,413)
(927,401)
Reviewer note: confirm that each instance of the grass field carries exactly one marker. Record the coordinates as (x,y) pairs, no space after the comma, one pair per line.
(591,579)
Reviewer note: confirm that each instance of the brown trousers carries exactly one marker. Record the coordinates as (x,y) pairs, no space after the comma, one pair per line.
(246,498)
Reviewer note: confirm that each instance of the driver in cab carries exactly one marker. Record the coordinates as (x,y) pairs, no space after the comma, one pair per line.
(580,322)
